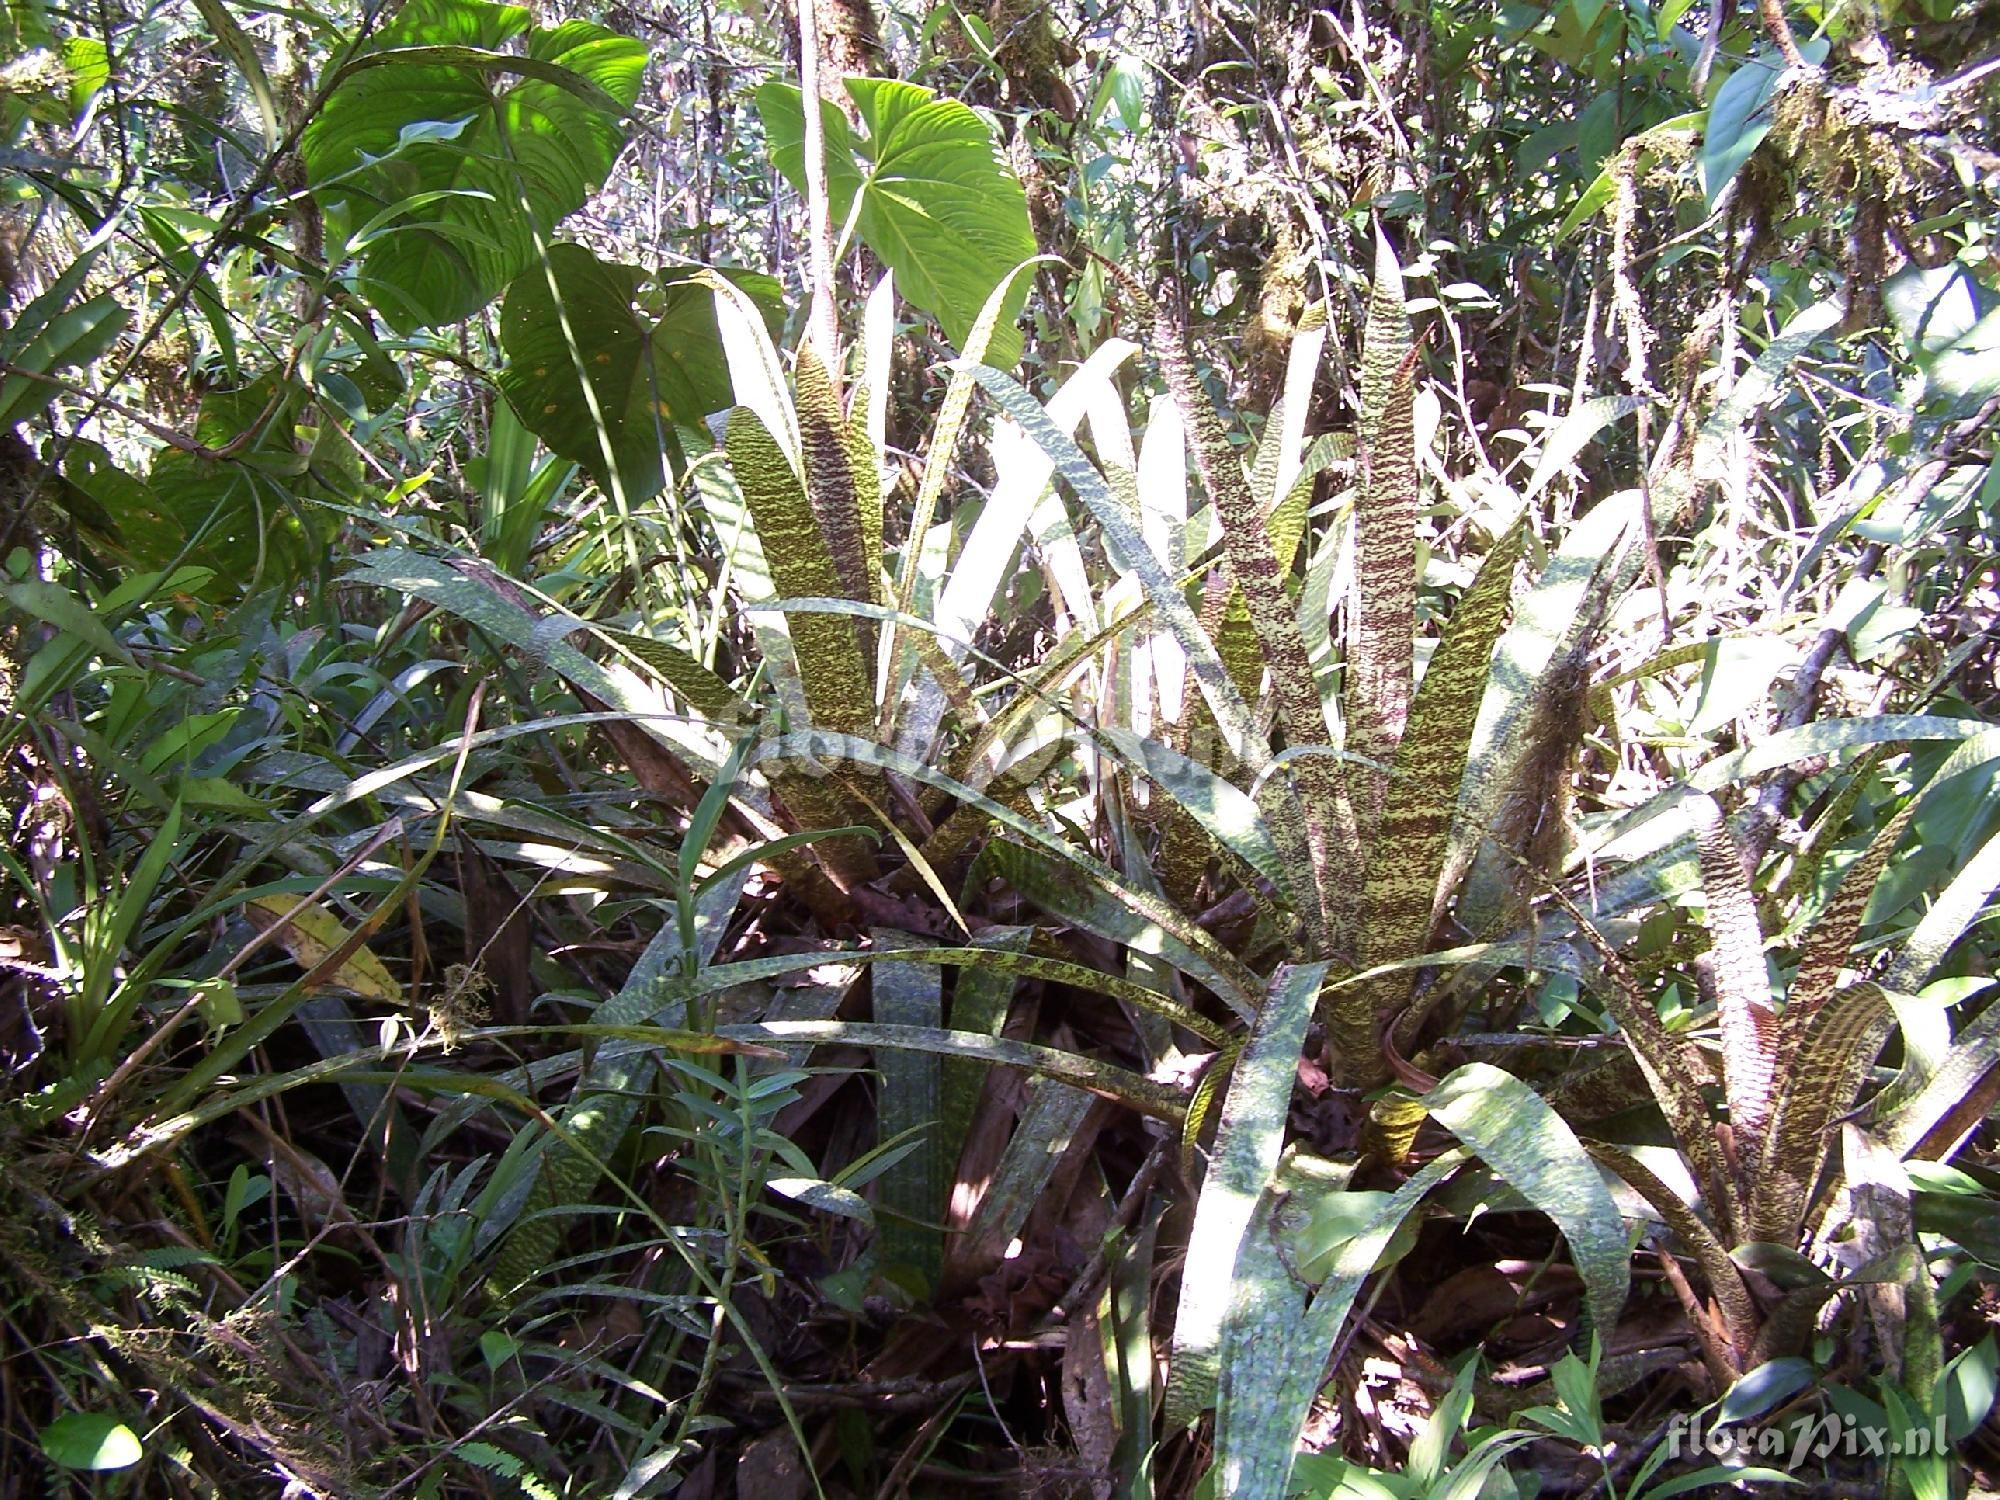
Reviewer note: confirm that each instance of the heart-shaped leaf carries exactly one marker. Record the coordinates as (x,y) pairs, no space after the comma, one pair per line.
(649,344)
(939,204)
(445,207)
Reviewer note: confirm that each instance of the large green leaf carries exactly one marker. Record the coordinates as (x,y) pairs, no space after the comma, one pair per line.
(434,143)
(938,203)
(249,511)
(91,1440)
(1737,122)
(649,345)
(47,337)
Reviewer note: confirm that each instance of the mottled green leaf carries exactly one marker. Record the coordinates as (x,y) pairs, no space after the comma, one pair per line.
(1383,631)
(838,687)
(1748,1023)
(913,1189)
(1510,1128)
(1823,1072)
(1404,868)
(1248,1136)
(1276,1342)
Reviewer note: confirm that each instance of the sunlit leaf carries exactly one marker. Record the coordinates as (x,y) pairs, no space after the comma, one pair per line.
(939,204)
(541,130)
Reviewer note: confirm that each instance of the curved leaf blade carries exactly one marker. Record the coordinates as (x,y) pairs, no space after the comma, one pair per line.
(1512,1129)
(1248,1136)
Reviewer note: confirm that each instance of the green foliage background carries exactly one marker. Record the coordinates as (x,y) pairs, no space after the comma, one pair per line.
(1346,726)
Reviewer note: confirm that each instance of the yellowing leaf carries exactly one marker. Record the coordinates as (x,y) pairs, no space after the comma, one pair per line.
(312,936)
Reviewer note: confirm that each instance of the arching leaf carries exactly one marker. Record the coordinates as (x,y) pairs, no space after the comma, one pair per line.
(1247,1141)
(1510,1128)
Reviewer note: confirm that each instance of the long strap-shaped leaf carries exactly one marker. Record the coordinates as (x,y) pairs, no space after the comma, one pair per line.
(1953,911)
(1521,708)
(1828,737)
(1802,870)
(842,482)
(1255,569)
(1725,1280)
(1380,663)
(1232,714)
(1829,946)
(1047,1131)
(1106,1080)
(1024,470)
(810,803)
(1742,985)
(1673,1070)
(968,824)
(1831,942)
(830,651)
(1402,895)
(1274,1351)
(1248,1136)
(1975,1052)
(701,688)
(719,977)
(838,687)
(1235,632)
(938,462)
(1510,1128)
(979,1002)
(1227,814)
(1836,1048)
(1080,896)
(913,1189)
(1236,984)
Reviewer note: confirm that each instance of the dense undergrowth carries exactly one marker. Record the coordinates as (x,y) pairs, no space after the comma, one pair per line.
(1238,754)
